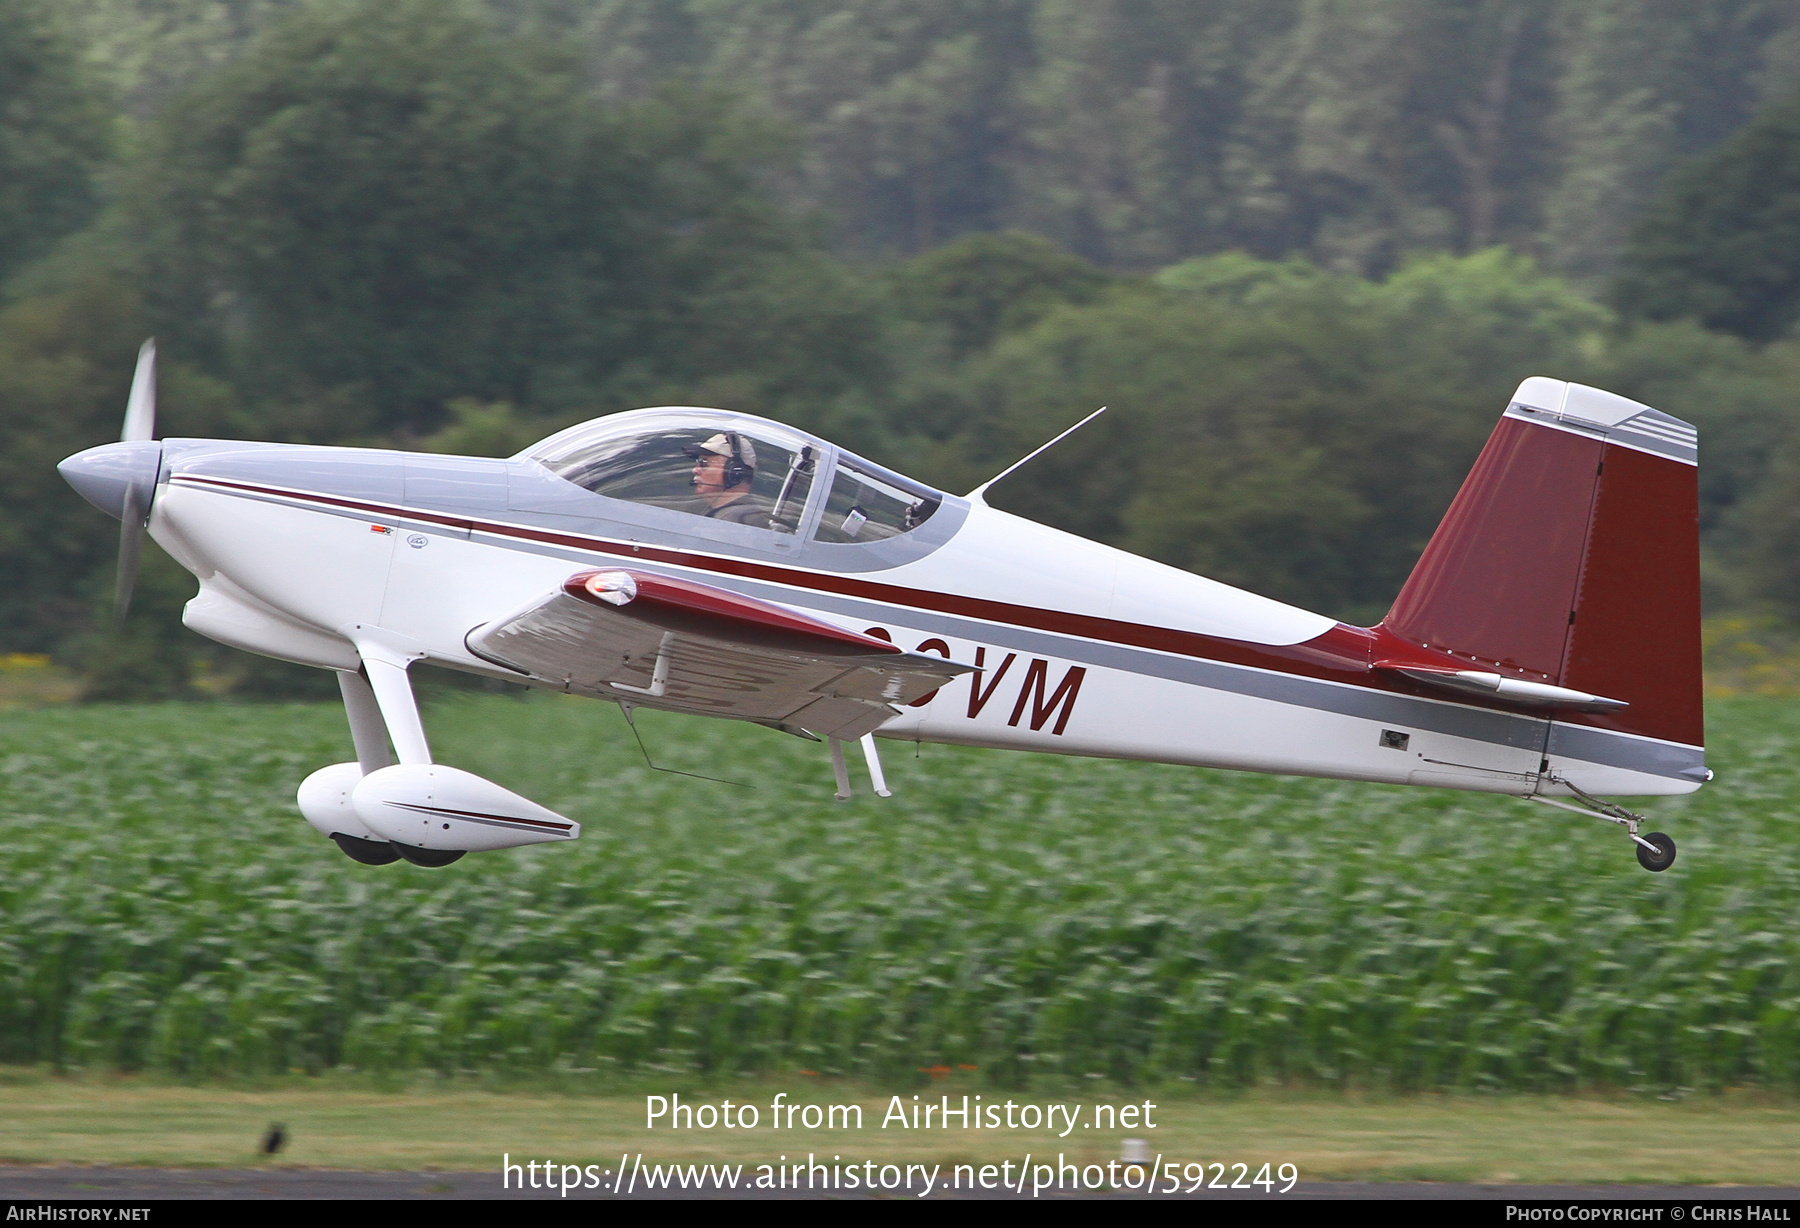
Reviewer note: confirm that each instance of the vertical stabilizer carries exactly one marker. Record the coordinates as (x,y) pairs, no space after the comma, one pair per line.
(1571,556)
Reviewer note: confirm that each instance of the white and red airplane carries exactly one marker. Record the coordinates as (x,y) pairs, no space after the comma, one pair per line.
(1546,645)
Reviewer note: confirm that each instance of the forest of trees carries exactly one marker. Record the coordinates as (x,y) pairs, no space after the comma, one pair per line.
(1305,250)
(1135,133)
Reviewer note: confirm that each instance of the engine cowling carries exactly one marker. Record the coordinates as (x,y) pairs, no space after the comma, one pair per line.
(436,807)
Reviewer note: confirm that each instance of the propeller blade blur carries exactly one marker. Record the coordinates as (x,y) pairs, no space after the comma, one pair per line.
(140,409)
(131,543)
(140,425)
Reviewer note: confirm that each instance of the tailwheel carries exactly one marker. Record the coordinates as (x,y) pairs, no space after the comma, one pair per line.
(1655,852)
(1660,858)
(369,852)
(430,858)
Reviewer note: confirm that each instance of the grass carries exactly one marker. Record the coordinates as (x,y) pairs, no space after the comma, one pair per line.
(1051,923)
(1736,1139)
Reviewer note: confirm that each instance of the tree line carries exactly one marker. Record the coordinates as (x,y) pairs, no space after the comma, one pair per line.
(915,227)
(1140,132)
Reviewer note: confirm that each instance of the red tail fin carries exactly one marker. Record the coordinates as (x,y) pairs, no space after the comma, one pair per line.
(1571,556)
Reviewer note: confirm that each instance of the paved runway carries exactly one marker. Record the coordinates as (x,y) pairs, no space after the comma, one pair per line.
(92,1184)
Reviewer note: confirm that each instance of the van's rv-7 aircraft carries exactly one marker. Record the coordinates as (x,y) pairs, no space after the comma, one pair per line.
(1546,645)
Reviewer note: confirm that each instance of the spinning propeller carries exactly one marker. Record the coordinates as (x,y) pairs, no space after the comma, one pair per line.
(120,478)
(140,425)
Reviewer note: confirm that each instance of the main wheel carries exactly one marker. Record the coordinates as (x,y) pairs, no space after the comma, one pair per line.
(431,858)
(369,852)
(1660,860)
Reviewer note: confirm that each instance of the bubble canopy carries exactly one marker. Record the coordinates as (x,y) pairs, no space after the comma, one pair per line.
(738,469)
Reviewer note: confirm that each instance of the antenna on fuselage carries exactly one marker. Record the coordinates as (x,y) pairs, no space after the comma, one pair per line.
(976,495)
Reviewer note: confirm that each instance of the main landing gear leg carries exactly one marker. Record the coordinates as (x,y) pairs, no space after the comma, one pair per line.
(385,657)
(872,757)
(840,772)
(1655,851)
(380,700)
(368,732)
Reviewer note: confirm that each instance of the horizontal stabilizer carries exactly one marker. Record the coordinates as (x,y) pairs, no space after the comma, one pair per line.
(1513,691)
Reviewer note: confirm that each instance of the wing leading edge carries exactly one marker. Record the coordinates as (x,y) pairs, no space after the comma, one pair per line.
(689,647)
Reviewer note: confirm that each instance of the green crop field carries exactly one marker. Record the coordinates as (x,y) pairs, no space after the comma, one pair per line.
(163,907)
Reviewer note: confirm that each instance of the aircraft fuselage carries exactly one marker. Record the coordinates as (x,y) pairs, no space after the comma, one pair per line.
(1078,648)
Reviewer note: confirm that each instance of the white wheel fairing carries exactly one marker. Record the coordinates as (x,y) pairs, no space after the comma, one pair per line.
(324,799)
(431,806)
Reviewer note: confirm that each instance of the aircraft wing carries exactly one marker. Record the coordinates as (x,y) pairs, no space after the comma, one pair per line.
(690,647)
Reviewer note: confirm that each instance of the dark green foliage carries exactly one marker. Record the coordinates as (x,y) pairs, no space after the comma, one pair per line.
(1722,245)
(476,429)
(461,225)
(152,656)
(164,908)
(1140,132)
(791,336)
(1745,400)
(1775,538)
(367,201)
(55,131)
(984,285)
(1271,426)
(65,366)
(909,110)
(390,205)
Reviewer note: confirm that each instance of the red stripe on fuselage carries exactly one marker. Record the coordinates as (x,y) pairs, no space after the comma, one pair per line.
(1344,654)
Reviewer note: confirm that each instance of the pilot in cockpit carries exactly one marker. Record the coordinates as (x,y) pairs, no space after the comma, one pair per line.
(724,468)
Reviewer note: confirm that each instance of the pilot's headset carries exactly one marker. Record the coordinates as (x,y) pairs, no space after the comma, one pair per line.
(737,469)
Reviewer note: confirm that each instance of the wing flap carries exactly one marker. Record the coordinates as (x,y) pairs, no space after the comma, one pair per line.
(685,646)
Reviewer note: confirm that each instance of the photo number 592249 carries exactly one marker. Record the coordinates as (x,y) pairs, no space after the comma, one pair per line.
(1191,1178)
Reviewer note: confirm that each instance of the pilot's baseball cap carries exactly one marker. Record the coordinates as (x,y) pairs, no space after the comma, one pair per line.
(718,445)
